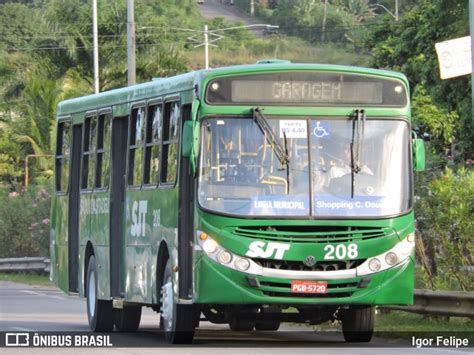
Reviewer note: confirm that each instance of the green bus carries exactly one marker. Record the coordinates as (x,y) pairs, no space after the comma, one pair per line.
(248,195)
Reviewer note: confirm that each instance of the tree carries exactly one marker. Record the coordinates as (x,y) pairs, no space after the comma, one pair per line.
(408,46)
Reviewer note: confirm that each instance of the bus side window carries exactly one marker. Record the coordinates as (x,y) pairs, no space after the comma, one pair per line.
(170,143)
(135,153)
(63,145)
(103,151)
(89,153)
(152,145)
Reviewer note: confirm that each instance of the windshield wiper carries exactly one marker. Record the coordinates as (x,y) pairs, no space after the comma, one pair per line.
(356,145)
(280,151)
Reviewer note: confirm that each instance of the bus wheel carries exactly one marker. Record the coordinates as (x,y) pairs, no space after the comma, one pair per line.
(241,325)
(238,324)
(99,312)
(127,319)
(272,324)
(358,324)
(177,320)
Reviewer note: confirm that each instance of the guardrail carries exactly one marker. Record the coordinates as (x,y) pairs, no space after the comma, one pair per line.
(38,264)
(441,303)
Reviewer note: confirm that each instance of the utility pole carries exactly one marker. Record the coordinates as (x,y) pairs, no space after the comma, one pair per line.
(471,28)
(95,46)
(131,43)
(396,10)
(206,47)
(323,27)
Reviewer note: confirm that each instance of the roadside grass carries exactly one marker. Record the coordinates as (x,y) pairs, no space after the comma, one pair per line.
(281,47)
(398,324)
(397,321)
(26,278)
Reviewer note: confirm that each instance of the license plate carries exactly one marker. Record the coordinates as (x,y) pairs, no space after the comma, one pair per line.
(299,286)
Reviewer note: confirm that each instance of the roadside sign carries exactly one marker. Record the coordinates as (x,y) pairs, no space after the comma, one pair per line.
(454,57)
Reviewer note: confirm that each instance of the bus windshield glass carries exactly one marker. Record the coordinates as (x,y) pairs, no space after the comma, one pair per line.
(241,174)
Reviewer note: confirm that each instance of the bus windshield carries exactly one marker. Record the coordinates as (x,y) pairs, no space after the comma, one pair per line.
(241,174)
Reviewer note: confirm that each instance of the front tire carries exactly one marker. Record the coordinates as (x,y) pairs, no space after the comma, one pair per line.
(358,324)
(178,321)
(99,312)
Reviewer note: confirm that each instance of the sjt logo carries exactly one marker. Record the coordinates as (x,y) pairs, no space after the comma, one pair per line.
(257,249)
(139,209)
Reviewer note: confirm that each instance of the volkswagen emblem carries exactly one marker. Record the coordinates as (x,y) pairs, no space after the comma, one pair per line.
(309,260)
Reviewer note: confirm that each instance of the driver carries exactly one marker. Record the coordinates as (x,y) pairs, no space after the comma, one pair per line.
(342,165)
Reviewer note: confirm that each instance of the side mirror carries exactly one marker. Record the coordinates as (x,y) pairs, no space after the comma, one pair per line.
(190,137)
(419,154)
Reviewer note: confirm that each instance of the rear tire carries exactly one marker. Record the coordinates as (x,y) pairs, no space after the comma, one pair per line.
(128,318)
(358,324)
(244,325)
(99,312)
(178,321)
(272,324)
(241,325)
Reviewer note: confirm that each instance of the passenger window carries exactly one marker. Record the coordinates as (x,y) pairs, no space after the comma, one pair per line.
(170,143)
(103,150)
(63,148)
(88,178)
(152,146)
(136,139)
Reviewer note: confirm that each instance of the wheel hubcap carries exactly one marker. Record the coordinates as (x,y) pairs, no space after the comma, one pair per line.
(91,294)
(167,304)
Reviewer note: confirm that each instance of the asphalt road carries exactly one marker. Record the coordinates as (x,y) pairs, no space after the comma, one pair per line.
(25,308)
(231,13)
(220,8)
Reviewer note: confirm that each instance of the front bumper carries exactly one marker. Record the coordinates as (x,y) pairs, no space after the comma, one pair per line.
(216,284)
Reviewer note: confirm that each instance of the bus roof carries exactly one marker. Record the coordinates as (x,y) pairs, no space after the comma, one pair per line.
(170,85)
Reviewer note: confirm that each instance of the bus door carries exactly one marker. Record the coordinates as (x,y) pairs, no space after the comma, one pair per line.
(73,228)
(117,203)
(185,224)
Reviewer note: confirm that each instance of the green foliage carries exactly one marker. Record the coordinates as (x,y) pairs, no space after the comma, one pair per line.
(9,159)
(438,121)
(408,46)
(24,223)
(446,224)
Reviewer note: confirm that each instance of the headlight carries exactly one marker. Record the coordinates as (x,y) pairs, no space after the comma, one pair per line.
(395,256)
(242,264)
(375,264)
(224,257)
(210,246)
(221,255)
(391,258)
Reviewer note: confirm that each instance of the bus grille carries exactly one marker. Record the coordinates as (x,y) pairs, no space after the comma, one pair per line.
(299,266)
(312,234)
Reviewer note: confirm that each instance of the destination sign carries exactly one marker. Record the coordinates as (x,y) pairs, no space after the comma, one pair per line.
(308,89)
(307,92)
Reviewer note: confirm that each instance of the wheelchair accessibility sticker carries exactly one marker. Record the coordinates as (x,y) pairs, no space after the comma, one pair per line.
(321,129)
